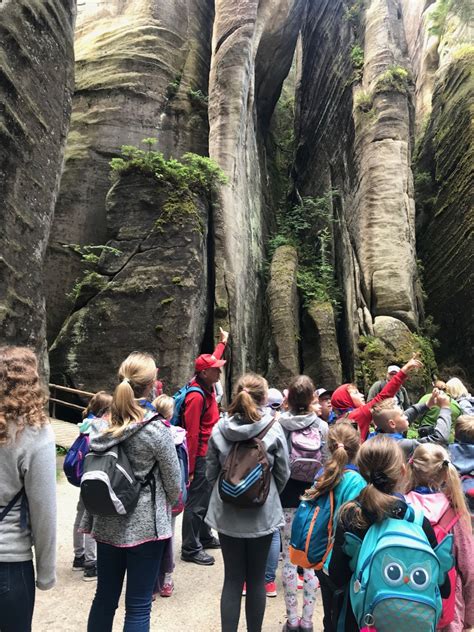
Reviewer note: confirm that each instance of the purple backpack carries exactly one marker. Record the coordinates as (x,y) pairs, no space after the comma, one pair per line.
(305,454)
(74,462)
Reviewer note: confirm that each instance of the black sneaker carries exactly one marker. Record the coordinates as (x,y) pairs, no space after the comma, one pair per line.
(90,573)
(212,544)
(201,558)
(78,563)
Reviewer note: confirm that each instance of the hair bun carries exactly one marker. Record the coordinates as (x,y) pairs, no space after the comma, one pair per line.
(378,479)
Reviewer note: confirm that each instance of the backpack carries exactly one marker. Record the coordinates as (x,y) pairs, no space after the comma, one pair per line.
(442,528)
(311,532)
(305,454)
(179,403)
(396,575)
(4,511)
(73,466)
(245,477)
(179,436)
(109,486)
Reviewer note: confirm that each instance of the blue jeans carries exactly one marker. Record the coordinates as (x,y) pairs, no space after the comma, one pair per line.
(17,596)
(142,564)
(272,559)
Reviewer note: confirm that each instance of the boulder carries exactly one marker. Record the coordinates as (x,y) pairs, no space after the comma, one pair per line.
(157,301)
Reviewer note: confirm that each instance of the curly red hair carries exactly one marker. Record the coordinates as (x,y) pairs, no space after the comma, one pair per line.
(22,398)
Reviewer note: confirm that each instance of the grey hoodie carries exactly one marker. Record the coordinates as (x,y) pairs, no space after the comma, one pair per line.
(145,445)
(235,521)
(290,496)
(30,462)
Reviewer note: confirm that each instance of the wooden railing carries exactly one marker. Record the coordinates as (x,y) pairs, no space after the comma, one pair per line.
(54,397)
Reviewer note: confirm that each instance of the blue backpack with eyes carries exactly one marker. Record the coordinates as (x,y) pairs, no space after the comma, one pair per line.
(396,575)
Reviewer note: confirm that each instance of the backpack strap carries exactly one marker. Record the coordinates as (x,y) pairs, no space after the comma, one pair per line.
(265,430)
(23,508)
(196,389)
(448,520)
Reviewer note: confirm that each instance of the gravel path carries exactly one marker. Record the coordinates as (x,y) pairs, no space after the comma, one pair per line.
(194,606)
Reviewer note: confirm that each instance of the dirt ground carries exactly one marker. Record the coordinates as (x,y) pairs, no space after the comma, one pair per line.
(194,606)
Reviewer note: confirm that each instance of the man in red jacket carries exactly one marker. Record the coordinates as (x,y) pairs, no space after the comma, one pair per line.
(200,415)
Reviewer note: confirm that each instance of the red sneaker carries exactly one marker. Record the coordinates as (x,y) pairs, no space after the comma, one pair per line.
(167,590)
(300,581)
(271,589)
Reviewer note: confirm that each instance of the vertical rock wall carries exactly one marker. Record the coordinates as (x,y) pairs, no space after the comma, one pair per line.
(36,82)
(243,76)
(137,65)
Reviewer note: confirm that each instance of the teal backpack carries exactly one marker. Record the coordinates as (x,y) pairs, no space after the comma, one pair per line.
(396,574)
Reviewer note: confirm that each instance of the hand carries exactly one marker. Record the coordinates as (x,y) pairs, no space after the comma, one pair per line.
(190,478)
(443,400)
(432,400)
(413,364)
(223,335)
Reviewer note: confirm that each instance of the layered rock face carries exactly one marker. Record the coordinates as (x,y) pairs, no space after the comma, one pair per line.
(36,83)
(253,45)
(141,71)
(150,296)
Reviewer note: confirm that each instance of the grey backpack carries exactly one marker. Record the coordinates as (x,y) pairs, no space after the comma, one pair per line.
(109,486)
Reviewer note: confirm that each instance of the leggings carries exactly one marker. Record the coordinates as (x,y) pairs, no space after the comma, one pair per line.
(290,581)
(244,561)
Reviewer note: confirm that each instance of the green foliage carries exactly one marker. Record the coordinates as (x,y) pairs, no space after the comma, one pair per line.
(173,87)
(463,9)
(60,451)
(198,98)
(283,137)
(394,79)
(91,280)
(306,227)
(357,59)
(425,191)
(91,253)
(363,101)
(191,172)
(177,280)
(353,13)
(167,301)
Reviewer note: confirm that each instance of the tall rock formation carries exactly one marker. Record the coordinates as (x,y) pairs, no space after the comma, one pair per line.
(252,49)
(36,83)
(141,71)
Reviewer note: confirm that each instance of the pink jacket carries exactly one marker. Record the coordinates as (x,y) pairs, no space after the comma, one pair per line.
(434,506)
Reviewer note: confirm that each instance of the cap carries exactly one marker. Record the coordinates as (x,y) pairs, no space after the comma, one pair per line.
(207,361)
(323,391)
(393,368)
(275,398)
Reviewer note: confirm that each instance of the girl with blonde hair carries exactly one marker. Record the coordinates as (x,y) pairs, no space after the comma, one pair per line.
(434,487)
(245,534)
(134,543)
(341,476)
(461,395)
(27,489)
(382,464)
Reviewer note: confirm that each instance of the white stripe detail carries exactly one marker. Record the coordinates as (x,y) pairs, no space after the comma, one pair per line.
(127,476)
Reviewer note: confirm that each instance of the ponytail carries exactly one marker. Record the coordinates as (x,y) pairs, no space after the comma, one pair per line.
(381,463)
(136,373)
(251,393)
(343,444)
(430,466)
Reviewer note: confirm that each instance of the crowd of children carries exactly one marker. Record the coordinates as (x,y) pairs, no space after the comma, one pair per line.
(377,523)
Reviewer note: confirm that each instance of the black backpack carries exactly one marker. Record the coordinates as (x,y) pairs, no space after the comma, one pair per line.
(109,486)
(246,475)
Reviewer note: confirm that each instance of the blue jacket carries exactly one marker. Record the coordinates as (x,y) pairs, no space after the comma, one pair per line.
(462,457)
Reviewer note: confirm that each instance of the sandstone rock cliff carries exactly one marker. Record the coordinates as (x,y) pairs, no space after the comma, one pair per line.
(36,82)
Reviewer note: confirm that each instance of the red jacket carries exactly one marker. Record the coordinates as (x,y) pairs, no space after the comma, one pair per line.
(342,401)
(198,422)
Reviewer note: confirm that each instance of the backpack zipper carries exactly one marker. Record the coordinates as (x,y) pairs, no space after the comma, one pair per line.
(418,599)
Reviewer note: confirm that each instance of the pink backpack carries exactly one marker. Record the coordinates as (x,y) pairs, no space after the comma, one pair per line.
(442,528)
(305,453)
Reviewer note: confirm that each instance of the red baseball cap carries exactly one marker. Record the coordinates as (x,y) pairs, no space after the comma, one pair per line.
(207,361)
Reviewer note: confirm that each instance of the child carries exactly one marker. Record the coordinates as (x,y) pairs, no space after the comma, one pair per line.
(391,420)
(85,548)
(435,488)
(245,533)
(347,400)
(462,456)
(382,464)
(461,395)
(164,405)
(300,416)
(27,489)
(342,476)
